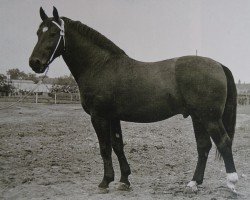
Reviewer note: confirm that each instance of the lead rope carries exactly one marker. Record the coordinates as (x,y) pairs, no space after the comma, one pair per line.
(62,35)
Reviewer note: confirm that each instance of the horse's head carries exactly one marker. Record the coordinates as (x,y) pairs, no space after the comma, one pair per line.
(50,43)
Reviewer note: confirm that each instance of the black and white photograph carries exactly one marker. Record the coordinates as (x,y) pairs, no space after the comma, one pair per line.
(124,99)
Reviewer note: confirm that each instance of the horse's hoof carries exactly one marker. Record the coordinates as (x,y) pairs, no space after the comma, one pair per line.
(191,187)
(123,187)
(102,190)
(232,179)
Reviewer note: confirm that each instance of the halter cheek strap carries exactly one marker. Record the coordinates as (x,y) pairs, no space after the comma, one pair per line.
(62,35)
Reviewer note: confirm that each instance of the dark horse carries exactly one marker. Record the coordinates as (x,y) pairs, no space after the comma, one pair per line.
(114,87)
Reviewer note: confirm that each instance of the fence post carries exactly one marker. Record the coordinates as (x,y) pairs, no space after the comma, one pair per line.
(55,97)
(36,97)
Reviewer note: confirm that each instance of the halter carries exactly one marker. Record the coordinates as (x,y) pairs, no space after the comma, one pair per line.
(62,35)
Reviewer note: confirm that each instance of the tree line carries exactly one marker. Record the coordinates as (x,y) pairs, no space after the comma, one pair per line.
(16,74)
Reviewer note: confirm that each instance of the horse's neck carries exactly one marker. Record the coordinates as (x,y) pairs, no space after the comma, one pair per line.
(81,55)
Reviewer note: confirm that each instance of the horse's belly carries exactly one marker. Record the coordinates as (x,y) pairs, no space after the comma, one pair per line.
(154,117)
(145,113)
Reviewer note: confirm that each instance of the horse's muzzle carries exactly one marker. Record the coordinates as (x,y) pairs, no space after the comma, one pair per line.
(37,65)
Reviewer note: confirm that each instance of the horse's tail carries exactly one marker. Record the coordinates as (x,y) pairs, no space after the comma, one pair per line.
(229,115)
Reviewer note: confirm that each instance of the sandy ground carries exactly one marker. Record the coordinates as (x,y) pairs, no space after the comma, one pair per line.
(51,152)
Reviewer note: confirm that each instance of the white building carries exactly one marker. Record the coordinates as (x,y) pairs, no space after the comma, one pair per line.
(24,86)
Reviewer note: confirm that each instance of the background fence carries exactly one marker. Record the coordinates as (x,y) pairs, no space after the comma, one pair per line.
(64,98)
(58,98)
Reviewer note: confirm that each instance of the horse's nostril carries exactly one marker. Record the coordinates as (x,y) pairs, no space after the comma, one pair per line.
(35,62)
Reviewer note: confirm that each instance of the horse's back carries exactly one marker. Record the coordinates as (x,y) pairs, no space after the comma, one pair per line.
(202,84)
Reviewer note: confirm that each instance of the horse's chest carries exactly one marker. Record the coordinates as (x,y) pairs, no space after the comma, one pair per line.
(97,102)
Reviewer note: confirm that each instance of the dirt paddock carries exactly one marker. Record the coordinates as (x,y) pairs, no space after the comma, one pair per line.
(52,152)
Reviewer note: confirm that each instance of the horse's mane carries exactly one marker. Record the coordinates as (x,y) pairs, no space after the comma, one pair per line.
(96,37)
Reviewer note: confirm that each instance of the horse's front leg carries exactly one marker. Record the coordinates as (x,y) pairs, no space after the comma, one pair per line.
(102,128)
(117,145)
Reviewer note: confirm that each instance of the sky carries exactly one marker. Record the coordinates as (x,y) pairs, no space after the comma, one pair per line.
(147,30)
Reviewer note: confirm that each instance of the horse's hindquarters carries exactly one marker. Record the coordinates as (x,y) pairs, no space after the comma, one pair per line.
(203,86)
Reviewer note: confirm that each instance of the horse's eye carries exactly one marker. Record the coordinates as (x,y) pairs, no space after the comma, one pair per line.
(53,33)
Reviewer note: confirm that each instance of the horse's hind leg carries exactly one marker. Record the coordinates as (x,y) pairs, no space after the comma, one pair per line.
(203,147)
(217,131)
(117,145)
(102,128)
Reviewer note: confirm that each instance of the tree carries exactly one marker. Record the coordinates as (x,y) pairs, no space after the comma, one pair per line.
(16,74)
(5,87)
(32,77)
(65,84)
(3,78)
(66,80)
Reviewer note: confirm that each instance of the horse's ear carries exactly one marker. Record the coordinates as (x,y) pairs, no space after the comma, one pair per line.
(42,14)
(56,16)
